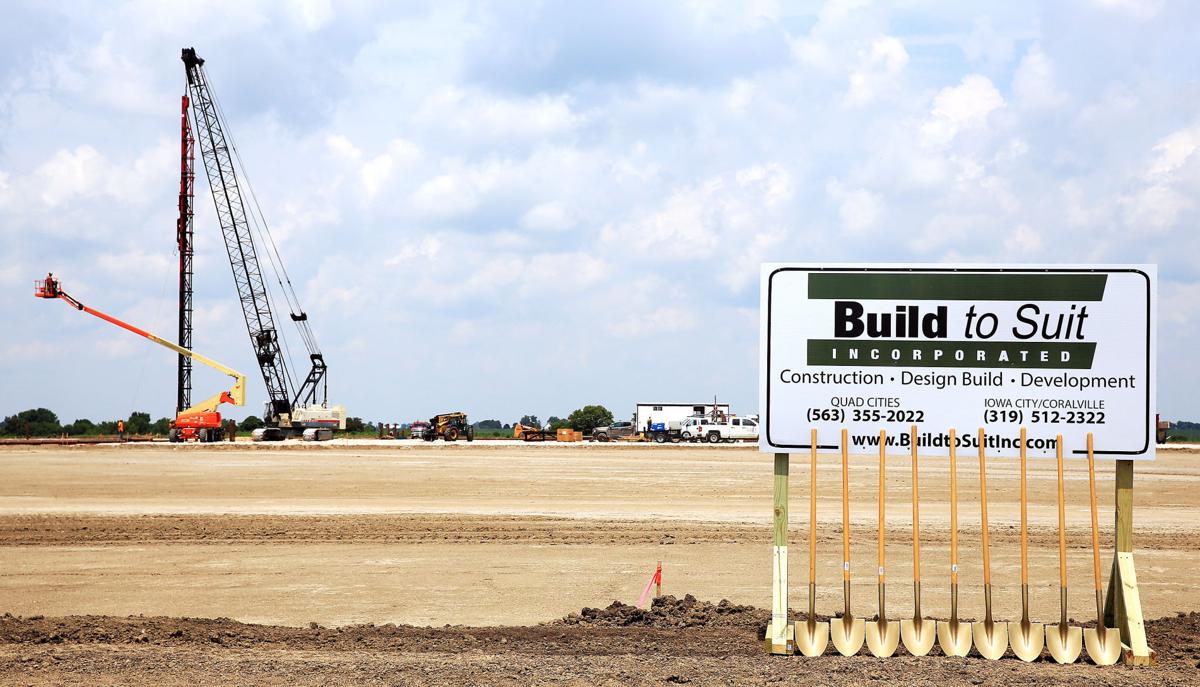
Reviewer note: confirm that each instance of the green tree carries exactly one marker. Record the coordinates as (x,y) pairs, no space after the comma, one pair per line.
(138,423)
(557,423)
(530,421)
(37,422)
(355,425)
(488,424)
(251,423)
(80,427)
(587,418)
(160,426)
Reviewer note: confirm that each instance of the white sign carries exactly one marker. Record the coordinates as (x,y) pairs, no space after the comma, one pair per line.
(1056,349)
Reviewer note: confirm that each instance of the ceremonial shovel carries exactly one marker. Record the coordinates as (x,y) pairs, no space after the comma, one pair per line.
(953,636)
(991,638)
(1103,643)
(918,634)
(847,631)
(1063,641)
(882,637)
(1025,637)
(812,637)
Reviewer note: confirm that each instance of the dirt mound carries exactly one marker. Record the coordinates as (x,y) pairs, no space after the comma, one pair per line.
(674,641)
(668,612)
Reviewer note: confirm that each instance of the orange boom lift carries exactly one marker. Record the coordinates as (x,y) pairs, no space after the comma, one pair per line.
(200,422)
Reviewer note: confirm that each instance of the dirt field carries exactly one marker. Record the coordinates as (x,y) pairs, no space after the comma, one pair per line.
(510,535)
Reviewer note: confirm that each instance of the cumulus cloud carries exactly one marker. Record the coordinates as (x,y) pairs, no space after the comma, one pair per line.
(961,108)
(1034,82)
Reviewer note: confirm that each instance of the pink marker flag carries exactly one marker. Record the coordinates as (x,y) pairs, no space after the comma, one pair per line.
(656,578)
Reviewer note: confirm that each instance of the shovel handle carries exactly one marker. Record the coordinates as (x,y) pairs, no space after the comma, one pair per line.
(916,510)
(1062,519)
(1024,519)
(882,491)
(1095,522)
(953,510)
(987,555)
(845,506)
(812,512)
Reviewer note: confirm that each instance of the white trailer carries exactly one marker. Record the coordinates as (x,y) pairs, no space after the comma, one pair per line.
(673,414)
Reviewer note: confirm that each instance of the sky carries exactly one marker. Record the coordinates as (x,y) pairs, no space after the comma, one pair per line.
(511,208)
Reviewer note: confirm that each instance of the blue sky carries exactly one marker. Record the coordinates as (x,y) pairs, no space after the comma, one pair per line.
(526,207)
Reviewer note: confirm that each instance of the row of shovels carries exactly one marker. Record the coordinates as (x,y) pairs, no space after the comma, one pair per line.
(955,637)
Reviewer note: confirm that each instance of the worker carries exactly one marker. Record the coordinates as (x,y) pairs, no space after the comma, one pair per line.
(121,429)
(51,285)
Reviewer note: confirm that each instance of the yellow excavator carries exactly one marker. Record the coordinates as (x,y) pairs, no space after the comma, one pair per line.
(202,421)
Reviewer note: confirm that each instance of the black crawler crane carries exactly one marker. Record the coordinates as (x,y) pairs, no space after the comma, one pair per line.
(304,410)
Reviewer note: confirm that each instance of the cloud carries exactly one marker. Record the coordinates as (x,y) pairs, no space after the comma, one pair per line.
(960,108)
(1138,9)
(858,209)
(455,186)
(1034,83)
(1160,202)
(878,71)
(549,216)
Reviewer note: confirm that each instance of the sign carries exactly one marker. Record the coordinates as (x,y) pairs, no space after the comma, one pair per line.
(1057,349)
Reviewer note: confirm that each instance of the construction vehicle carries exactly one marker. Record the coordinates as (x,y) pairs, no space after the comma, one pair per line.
(450,427)
(531,433)
(291,409)
(200,422)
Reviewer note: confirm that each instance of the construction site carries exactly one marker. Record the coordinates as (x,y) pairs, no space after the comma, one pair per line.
(268,530)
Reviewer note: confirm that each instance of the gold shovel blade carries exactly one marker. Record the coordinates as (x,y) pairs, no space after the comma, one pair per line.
(991,639)
(883,637)
(918,635)
(954,638)
(1027,642)
(1064,647)
(1103,652)
(847,634)
(812,643)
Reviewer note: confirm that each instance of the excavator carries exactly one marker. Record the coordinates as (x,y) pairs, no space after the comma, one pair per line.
(202,421)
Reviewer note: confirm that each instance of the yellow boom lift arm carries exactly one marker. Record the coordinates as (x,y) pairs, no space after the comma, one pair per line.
(50,288)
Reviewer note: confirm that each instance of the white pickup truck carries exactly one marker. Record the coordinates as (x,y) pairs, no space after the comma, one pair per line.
(727,429)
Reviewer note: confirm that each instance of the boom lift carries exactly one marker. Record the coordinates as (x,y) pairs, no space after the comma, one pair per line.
(200,422)
(305,411)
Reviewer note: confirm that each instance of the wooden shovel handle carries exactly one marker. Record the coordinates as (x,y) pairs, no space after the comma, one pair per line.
(916,511)
(953,510)
(1062,519)
(882,490)
(987,555)
(812,511)
(1024,519)
(845,506)
(1095,522)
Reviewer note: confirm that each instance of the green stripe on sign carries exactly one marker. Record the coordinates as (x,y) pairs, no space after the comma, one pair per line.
(961,354)
(956,286)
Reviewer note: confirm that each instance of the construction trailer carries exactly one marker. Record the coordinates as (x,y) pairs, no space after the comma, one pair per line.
(672,415)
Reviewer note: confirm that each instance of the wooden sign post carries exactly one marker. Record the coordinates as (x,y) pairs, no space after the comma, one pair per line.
(1123,608)
(781,634)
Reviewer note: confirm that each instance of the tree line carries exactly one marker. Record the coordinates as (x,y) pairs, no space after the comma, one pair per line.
(43,422)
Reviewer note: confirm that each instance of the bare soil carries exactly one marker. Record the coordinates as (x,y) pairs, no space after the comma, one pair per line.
(401,564)
(680,641)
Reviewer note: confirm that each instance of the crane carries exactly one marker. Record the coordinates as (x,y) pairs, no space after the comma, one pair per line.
(201,421)
(291,409)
